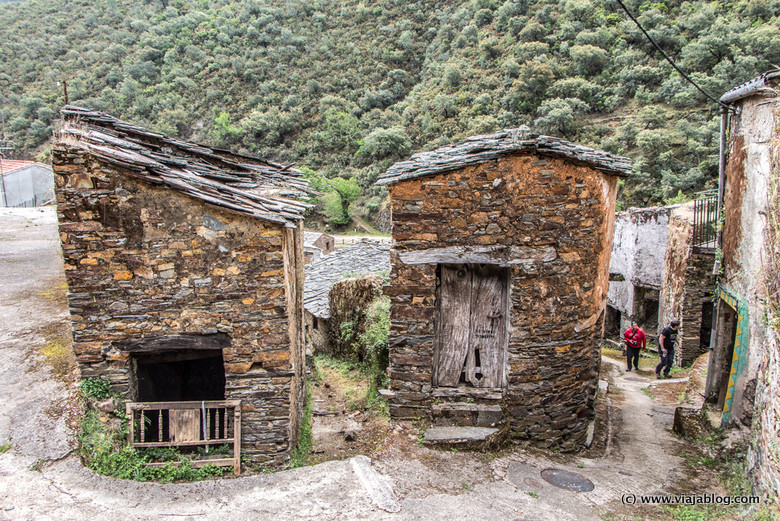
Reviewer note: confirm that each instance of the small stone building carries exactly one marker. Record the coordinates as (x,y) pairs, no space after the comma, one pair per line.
(185,273)
(498,283)
(316,244)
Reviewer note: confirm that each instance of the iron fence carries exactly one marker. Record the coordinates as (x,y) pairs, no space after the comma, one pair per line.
(705,216)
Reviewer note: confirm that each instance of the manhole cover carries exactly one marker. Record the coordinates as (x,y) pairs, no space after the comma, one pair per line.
(567,480)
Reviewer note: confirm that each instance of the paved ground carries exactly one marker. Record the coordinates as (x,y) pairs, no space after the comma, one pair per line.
(41,478)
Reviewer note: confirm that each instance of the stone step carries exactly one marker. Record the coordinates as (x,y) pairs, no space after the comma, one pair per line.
(462,437)
(479,395)
(465,414)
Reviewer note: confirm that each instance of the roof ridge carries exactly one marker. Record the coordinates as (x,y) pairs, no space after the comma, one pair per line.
(478,149)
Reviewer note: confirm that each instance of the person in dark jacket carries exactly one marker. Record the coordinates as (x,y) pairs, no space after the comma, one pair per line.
(635,341)
(666,348)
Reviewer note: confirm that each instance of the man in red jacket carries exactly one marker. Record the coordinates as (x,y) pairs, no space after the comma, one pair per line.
(635,340)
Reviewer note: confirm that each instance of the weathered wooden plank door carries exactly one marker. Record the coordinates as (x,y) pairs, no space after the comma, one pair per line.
(452,331)
(485,360)
(471,325)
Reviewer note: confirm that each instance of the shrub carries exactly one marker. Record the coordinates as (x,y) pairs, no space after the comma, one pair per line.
(104,450)
(385,143)
(375,340)
(96,388)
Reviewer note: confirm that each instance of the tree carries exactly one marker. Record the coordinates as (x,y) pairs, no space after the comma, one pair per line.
(588,60)
(338,200)
(385,143)
(557,116)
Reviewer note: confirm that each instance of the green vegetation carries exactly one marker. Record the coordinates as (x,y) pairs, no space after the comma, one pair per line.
(374,338)
(348,87)
(104,449)
(366,338)
(5,447)
(300,455)
(709,452)
(95,388)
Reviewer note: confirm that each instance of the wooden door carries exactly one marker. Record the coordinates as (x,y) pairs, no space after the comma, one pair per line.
(471,325)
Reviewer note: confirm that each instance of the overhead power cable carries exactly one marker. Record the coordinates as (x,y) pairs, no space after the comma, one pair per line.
(671,62)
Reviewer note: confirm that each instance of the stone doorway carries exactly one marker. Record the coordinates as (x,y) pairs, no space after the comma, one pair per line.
(180,376)
(722,358)
(471,325)
(612,322)
(645,312)
(177,368)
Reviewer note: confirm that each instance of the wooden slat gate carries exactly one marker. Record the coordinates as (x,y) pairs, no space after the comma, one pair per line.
(471,331)
(187,424)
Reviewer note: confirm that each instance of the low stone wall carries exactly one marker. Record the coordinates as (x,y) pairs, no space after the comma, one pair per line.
(349,300)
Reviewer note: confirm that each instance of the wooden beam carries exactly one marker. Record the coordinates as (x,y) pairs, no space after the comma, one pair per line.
(237,440)
(214,404)
(173,342)
(503,256)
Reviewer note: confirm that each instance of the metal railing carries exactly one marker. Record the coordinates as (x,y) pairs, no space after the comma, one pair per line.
(705,215)
(187,424)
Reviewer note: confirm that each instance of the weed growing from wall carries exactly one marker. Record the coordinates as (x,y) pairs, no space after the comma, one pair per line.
(300,456)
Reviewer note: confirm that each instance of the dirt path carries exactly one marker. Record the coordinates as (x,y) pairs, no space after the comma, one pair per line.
(41,479)
(34,415)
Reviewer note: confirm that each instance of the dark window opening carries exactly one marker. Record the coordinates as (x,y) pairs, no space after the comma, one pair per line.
(706,325)
(646,303)
(182,375)
(612,322)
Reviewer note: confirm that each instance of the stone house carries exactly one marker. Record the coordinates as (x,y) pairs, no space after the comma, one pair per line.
(744,373)
(498,283)
(185,274)
(316,244)
(688,280)
(660,270)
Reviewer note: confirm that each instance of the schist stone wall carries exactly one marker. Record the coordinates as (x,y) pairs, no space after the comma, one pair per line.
(149,263)
(549,223)
(687,288)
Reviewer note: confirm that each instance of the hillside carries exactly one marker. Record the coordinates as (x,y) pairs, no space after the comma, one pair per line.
(346,88)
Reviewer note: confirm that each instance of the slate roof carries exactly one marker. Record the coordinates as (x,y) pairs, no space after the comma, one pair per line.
(478,149)
(360,258)
(246,184)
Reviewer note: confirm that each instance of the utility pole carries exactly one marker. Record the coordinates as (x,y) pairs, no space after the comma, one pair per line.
(64,84)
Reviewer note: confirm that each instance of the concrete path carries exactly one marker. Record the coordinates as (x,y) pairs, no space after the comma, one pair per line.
(41,479)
